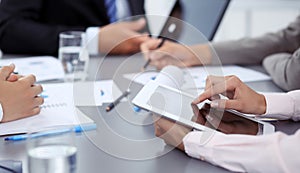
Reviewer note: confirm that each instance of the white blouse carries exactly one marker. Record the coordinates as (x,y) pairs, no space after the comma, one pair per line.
(275,152)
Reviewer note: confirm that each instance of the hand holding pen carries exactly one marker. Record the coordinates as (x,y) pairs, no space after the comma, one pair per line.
(161,42)
(156,43)
(176,54)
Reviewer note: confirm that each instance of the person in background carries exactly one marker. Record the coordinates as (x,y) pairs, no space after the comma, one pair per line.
(278,52)
(18,95)
(240,153)
(33,27)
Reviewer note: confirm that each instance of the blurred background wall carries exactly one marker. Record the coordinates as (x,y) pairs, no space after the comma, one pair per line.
(249,18)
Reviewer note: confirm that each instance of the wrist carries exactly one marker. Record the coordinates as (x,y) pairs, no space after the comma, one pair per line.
(181,146)
(1,113)
(262,104)
(201,54)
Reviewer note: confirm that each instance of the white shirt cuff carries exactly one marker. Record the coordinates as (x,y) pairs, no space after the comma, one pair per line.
(279,105)
(196,144)
(1,113)
(92,34)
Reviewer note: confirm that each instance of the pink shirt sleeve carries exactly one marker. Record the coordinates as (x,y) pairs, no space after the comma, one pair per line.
(283,105)
(276,152)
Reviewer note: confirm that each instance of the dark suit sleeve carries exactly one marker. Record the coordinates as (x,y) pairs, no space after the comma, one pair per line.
(254,50)
(284,68)
(23,32)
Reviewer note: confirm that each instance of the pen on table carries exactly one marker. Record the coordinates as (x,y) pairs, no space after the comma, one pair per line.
(117,101)
(76,129)
(148,61)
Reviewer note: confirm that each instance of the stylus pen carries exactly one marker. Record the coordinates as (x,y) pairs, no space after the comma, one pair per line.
(149,60)
(117,101)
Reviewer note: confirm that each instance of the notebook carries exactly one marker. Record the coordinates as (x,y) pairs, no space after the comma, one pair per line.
(57,110)
(60,105)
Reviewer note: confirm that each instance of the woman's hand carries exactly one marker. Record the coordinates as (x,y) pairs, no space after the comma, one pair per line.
(122,37)
(170,132)
(20,98)
(241,97)
(175,54)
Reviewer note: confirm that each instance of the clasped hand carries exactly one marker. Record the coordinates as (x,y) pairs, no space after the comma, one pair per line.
(18,95)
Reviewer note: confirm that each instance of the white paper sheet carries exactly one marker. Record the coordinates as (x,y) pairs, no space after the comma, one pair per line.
(85,93)
(43,67)
(199,75)
(95,93)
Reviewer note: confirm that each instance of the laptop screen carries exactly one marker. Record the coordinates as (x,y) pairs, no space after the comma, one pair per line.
(201,15)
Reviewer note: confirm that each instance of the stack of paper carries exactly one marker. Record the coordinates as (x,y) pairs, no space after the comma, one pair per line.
(43,67)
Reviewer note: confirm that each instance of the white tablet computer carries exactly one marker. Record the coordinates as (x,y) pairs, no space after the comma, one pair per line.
(176,105)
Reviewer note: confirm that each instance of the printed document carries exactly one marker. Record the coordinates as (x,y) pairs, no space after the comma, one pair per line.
(45,68)
(199,75)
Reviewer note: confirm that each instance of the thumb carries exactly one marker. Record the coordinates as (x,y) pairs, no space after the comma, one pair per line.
(137,25)
(6,71)
(150,44)
(12,78)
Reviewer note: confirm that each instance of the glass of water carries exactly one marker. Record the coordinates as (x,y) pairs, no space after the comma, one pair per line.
(52,150)
(73,55)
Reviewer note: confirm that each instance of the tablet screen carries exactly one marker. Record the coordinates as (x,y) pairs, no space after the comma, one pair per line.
(179,104)
(225,121)
(164,100)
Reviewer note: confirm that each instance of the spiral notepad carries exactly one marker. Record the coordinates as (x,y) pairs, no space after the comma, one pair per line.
(54,105)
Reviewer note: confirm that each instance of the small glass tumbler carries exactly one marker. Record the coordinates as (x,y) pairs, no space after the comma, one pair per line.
(73,55)
(51,150)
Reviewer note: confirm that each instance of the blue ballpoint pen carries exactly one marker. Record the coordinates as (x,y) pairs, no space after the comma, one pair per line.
(76,129)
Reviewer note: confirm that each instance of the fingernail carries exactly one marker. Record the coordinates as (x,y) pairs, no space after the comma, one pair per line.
(214,104)
(12,65)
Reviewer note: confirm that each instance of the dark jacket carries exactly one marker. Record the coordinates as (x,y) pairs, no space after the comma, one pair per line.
(33,26)
(279,52)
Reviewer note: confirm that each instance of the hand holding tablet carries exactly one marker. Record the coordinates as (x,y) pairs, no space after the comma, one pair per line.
(226,122)
(175,105)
